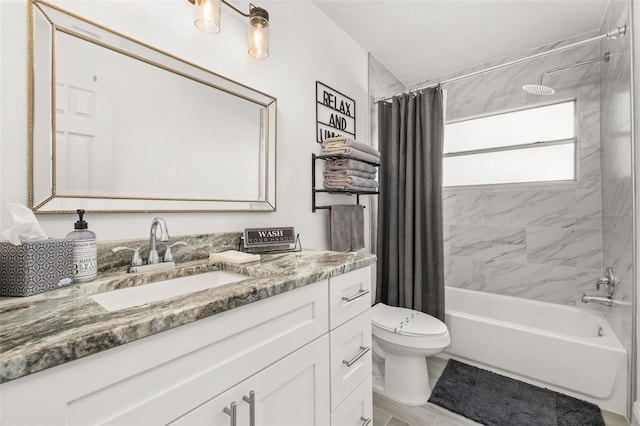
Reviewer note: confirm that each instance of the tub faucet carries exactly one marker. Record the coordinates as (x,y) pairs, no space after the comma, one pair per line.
(164,236)
(603,300)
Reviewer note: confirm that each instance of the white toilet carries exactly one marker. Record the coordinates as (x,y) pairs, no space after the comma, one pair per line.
(402,339)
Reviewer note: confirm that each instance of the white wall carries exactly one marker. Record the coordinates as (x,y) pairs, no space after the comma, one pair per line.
(305,46)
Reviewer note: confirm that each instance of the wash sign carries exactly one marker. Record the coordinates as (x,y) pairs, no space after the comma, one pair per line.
(335,113)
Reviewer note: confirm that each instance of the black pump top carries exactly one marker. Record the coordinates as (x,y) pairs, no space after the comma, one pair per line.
(81,224)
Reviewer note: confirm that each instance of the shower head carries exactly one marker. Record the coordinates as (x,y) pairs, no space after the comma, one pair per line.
(538,89)
(541,89)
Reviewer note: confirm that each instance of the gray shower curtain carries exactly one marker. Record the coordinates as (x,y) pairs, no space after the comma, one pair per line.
(410,271)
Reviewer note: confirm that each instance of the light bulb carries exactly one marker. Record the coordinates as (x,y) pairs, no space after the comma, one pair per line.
(207,17)
(258,35)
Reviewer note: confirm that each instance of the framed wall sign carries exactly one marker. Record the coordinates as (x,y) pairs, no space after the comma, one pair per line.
(269,237)
(335,113)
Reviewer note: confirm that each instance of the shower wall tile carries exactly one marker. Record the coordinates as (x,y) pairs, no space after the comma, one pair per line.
(463,207)
(566,247)
(589,167)
(589,133)
(530,241)
(588,208)
(539,207)
(489,243)
(464,272)
(547,283)
(446,235)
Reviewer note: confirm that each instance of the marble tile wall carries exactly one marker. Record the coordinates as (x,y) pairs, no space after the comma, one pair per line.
(537,241)
(617,169)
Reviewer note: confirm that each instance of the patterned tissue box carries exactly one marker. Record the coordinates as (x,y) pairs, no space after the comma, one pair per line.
(35,266)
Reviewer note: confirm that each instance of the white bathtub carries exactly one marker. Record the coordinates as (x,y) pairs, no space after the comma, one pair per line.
(549,345)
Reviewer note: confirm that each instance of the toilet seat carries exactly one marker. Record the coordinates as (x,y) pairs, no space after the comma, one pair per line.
(406,322)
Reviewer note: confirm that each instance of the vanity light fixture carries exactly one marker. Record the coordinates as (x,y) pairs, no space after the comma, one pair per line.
(207,19)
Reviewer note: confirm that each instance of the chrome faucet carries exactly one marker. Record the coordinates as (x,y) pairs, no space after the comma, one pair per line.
(609,282)
(603,300)
(164,236)
(154,262)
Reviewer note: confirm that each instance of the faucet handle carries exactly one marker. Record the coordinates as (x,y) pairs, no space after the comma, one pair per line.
(136,260)
(608,280)
(168,254)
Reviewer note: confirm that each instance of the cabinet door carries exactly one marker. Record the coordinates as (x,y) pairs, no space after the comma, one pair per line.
(294,391)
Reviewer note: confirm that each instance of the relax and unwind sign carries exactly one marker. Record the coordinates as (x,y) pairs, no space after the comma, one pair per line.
(335,113)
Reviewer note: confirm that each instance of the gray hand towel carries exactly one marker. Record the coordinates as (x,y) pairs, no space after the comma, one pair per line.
(344,164)
(357,227)
(349,182)
(346,172)
(347,227)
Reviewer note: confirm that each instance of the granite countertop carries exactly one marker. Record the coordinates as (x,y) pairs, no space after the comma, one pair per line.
(55,327)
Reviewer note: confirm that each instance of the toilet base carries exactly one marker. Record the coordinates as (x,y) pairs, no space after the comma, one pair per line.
(405,380)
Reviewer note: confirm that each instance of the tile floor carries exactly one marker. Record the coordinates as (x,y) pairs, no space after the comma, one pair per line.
(390,413)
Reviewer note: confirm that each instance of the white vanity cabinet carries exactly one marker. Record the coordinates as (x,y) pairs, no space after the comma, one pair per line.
(277,361)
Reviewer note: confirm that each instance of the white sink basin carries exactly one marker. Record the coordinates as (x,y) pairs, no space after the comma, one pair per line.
(133,296)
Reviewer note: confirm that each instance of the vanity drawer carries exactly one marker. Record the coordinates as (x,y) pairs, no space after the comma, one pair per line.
(357,408)
(350,356)
(349,295)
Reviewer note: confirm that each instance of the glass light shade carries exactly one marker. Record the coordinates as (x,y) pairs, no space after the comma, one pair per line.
(207,17)
(258,35)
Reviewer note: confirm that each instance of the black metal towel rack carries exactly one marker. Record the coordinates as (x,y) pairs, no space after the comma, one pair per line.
(314,191)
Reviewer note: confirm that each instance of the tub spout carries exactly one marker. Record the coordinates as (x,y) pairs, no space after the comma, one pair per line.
(603,300)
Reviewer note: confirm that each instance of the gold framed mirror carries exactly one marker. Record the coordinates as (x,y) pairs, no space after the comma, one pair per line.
(116,125)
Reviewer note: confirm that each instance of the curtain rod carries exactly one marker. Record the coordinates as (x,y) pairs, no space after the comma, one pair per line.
(618,32)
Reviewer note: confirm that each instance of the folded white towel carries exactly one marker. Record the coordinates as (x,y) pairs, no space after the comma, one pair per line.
(342,142)
(347,172)
(346,164)
(351,152)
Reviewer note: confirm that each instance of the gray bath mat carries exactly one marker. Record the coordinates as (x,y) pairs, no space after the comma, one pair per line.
(495,400)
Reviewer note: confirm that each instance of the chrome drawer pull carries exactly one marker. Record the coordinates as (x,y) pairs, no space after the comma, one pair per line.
(232,413)
(362,353)
(355,296)
(365,421)
(251,399)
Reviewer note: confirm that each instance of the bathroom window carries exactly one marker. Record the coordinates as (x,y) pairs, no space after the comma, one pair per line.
(536,144)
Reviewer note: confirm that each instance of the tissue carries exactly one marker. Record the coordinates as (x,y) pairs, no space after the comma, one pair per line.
(25,228)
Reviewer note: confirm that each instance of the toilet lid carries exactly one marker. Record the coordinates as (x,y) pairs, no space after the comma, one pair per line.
(406,321)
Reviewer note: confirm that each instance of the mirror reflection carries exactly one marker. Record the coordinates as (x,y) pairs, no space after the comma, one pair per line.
(135,129)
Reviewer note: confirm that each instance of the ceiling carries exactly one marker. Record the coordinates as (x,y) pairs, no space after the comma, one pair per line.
(421,39)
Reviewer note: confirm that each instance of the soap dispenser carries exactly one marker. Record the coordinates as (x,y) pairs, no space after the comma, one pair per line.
(85,251)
